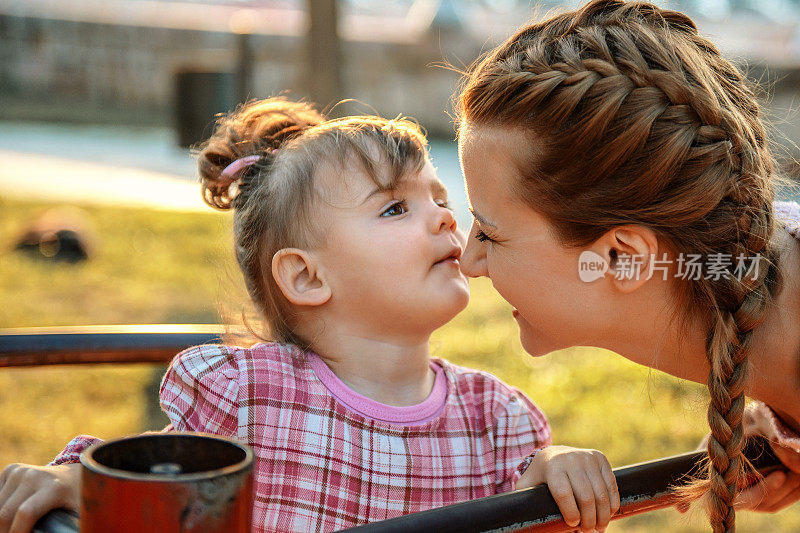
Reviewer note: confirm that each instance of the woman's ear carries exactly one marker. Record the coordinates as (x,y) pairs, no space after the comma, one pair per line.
(630,252)
(297,274)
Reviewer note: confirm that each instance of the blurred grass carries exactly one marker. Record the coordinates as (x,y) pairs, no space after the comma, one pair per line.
(153,267)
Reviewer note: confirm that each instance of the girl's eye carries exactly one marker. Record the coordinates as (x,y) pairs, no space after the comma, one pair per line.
(397,208)
(445,204)
(481,236)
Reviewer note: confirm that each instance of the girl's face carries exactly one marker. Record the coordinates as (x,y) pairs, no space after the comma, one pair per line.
(392,257)
(515,247)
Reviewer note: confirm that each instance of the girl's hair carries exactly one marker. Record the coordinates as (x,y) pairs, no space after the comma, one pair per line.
(637,119)
(274,198)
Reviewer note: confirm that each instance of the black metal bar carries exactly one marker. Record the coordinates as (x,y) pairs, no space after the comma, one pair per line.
(101,344)
(58,521)
(643,487)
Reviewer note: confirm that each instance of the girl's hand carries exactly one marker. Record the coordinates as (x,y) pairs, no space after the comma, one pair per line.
(29,492)
(581,483)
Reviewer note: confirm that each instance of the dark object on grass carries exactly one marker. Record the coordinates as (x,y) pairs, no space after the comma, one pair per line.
(60,234)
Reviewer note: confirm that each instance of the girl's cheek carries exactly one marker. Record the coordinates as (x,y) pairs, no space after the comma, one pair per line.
(461,237)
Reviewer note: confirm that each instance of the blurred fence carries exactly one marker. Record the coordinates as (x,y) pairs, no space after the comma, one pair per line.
(116,60)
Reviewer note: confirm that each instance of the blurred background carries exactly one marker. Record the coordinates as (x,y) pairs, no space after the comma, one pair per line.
(102,222)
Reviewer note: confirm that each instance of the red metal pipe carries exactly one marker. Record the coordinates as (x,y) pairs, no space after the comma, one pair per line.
(169,483)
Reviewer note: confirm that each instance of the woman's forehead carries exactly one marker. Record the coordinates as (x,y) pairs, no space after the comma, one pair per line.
(482,137)
(486,160)
(490,159)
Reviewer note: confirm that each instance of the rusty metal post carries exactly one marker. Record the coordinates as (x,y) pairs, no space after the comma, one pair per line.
(244,66)
(323,70)
(167,482)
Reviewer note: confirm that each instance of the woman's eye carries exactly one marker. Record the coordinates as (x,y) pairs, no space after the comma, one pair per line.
(394,210)
(481,236)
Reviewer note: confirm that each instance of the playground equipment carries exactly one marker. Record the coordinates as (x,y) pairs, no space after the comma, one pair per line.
(167,482)
(643,487)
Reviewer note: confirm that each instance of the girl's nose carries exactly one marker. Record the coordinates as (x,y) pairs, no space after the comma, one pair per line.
(446,220)
(473,260)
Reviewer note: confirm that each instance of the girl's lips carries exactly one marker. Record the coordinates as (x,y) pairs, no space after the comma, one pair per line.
(452,258)
(449,261)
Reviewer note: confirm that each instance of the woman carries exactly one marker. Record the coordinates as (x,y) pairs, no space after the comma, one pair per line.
(616,139)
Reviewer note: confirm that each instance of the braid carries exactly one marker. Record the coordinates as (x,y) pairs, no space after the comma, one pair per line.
(740,307)
(642,121)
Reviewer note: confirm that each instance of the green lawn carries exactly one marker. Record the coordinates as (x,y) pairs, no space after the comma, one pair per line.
(153,267)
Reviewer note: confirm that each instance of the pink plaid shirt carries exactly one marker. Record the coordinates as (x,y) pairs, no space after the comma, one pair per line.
(328,458)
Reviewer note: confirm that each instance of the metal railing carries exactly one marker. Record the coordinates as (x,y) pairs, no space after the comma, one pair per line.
(643,487)
(155,343)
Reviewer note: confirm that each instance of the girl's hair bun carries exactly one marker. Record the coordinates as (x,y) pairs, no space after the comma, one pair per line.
(256,128)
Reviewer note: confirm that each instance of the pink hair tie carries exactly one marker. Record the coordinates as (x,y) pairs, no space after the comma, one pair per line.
(233,171)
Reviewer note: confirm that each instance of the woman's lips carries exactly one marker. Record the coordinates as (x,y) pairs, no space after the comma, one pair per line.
(515,313)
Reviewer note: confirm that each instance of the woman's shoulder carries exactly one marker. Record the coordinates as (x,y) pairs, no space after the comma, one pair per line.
(788,214)
(760,419)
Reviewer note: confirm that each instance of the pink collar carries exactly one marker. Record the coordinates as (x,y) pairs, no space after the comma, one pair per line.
(412,415)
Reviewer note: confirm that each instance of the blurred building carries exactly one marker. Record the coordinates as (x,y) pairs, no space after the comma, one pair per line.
(116,60)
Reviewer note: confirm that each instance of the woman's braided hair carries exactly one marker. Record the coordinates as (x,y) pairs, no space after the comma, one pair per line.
(637,119)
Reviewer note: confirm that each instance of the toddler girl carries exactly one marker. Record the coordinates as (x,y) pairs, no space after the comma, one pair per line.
(351,255)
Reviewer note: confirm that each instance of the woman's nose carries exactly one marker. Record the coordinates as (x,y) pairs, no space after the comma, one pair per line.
(473,260)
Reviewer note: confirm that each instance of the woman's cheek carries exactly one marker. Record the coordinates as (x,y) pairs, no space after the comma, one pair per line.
(501,279)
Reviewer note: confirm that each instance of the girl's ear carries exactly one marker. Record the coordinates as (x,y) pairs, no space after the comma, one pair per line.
(630,252)
(296,273)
